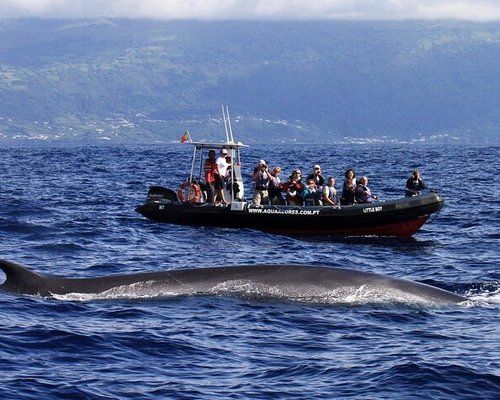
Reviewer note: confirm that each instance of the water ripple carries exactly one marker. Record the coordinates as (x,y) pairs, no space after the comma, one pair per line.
(70,211)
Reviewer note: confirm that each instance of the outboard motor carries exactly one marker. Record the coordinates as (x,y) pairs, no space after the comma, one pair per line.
(157,194)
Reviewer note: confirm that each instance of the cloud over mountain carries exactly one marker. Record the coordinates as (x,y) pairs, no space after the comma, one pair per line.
(471,10)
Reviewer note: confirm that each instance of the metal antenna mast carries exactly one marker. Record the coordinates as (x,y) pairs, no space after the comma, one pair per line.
(227,125)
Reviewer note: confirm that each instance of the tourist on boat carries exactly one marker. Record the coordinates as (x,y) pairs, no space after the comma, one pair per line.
(363,193)
(276,188)
(293,187)
(222,163)
(227,174)
(311,194)
(213,180)
(348,188)
(319,180)
(329,197)
(261,180)
(414,184)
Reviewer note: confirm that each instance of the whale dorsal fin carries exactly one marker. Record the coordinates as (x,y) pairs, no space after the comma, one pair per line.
(20,279)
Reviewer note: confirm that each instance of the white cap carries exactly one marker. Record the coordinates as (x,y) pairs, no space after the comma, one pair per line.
(316,167)
(223,151)
(262,162)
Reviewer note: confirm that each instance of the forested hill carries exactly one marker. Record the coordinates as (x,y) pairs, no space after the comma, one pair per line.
(148,81)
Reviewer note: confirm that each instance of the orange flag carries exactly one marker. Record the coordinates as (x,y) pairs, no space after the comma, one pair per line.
(185,137)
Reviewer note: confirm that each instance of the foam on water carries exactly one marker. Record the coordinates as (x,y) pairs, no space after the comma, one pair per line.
(247,289)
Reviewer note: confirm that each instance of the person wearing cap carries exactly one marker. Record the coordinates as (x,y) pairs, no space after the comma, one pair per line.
(261,179)
(222,163)
(319,180)
(414,184)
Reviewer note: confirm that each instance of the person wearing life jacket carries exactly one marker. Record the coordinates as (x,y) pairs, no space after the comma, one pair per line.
(311,194)
(261,179)
(330,193)
(213,179)
(363,193)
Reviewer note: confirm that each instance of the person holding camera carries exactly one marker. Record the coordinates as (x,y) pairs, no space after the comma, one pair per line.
(319,180)
(261,179)
(414,184)
(276,188)
(293,188)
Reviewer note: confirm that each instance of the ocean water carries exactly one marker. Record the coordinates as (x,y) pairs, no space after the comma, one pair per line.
(70,211)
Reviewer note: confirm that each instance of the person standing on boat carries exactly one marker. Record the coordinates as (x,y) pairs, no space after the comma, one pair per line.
(222,163)
(348,188)
(213,179)
(414,184)
(330,193)
(261,179)
(363,192)
(319,180)
(275,187)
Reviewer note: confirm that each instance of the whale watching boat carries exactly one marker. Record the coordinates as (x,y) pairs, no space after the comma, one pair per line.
(189,205)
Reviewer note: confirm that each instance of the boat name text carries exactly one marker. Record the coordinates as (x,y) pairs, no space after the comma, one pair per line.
(372,209)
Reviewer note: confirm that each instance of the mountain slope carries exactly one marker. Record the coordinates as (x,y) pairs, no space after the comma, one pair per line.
(285,81)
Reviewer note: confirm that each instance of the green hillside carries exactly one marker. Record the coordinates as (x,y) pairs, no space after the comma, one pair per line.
(147,81)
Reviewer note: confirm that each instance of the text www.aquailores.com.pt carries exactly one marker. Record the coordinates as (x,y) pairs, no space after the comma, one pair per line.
(274,211)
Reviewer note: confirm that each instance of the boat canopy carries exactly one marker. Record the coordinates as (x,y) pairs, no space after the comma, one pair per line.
(233,150)
(225,145)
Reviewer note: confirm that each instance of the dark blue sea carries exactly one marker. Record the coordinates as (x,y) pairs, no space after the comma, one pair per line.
(70,211)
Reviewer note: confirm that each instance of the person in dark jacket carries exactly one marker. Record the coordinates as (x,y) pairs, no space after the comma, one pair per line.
(348,188)
(319,180)
(294,188)
(414,184)
(363,193)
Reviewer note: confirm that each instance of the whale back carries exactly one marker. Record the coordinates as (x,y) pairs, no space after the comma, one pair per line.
(297,282)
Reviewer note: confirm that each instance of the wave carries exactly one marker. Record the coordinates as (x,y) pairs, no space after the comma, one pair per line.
(437,380)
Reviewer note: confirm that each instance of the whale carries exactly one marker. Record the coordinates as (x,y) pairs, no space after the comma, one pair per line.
(306,283)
